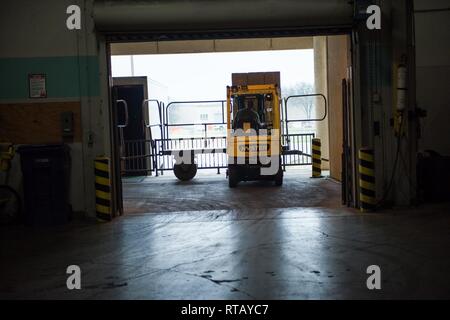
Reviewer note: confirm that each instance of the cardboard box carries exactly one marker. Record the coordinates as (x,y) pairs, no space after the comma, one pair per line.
(243,79)
(272,78)
(255,78)
(239,79)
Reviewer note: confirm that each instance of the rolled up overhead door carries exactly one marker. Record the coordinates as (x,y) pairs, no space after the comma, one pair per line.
(184,16)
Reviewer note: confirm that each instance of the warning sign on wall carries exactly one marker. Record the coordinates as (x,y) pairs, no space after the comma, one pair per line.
(37,86)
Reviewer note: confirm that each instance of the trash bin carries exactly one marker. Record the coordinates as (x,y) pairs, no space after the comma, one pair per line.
(45,170)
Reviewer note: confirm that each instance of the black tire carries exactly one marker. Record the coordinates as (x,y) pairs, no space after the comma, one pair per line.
(279,178)
(10,205)
(233,177)
(185,172)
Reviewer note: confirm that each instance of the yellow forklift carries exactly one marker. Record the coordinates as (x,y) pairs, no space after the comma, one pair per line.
(254,133)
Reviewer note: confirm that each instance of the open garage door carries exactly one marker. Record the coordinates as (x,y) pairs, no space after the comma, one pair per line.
(216,19)
(189,127)
(154,27)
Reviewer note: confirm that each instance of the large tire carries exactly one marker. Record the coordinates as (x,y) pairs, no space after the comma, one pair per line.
(233,177)
(185,172)
(279,177)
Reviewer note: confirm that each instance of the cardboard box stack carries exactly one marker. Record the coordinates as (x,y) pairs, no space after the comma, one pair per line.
(243,79)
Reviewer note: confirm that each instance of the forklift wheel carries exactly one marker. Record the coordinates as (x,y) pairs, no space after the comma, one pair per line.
(185,172)
(233,178)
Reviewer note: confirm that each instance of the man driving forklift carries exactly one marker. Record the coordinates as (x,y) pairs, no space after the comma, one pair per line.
(247,115)
(253,137)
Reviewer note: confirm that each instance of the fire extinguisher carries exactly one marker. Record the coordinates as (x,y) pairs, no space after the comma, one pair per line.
(401,94)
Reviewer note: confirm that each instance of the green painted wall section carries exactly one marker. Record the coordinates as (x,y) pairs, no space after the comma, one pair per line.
(67,77)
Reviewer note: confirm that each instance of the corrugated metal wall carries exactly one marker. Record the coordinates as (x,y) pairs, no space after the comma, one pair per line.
(201,15)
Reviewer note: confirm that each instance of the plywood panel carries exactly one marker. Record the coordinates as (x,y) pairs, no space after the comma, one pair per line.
(337,70)
(37,123)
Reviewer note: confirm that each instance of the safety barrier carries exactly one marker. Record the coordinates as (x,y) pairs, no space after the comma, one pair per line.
(300,144)
(146,156)
(139,157)
(366,179)
(102,189)
(288,120)
(316,158)
(165,160)
(212,104)
(142,157)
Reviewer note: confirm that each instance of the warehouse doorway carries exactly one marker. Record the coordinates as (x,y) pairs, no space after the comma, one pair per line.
(130,92)
(332,117)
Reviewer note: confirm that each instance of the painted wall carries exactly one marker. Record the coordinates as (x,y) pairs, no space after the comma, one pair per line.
(35,39)
(375,55)
(337,70)
(432,25)
(321,86)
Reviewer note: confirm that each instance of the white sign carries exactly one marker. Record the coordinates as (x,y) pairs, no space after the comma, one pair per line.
(37,86)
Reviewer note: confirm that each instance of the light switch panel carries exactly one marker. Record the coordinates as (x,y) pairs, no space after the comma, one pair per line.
(67,123)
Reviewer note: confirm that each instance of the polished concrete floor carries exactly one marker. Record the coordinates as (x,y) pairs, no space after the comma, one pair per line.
(201,240)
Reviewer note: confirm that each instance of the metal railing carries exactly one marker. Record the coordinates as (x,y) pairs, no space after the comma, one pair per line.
(165,160)
(121,126)
(148,125)
(287,121)
(161,157)
(154,155)
(300,145)
(168,124)
(139,157)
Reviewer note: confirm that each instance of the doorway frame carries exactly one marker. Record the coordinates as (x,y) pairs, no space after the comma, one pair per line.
(110,38)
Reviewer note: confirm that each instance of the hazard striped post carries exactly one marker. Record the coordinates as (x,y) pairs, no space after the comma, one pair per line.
(367,189)
(316,158)
(102,189)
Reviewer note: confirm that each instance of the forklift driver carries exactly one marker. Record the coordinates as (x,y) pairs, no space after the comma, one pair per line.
(247,115)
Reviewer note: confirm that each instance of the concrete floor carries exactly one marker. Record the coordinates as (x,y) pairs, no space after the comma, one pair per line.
(264,242)
(209,191)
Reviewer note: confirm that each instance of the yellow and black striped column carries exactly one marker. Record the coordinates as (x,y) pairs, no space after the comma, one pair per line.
(316,158)
(367,189)
(102,189)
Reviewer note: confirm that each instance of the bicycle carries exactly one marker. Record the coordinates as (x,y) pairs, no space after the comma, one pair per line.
(10,202)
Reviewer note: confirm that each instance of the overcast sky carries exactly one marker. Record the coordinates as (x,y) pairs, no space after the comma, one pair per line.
(204,76)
